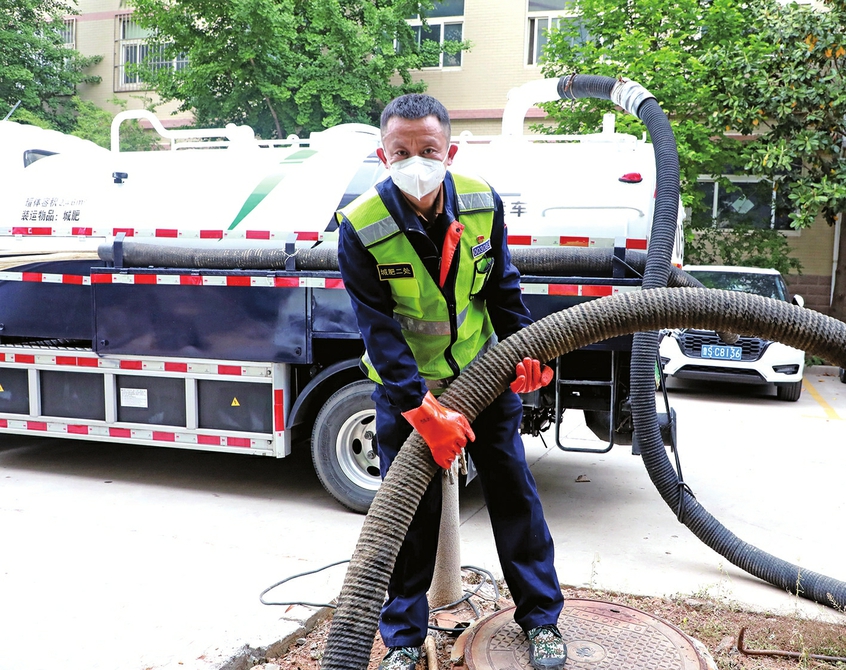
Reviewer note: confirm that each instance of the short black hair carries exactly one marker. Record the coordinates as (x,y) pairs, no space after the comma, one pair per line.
(415,106)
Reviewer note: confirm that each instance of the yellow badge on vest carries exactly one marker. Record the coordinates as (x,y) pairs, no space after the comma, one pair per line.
(395,271)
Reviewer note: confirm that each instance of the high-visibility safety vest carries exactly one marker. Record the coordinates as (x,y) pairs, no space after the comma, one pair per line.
(443,339)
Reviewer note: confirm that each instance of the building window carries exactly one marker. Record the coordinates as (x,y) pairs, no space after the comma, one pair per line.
(133,50)
(746,200)
(546,15)
(68,33)
(445,24)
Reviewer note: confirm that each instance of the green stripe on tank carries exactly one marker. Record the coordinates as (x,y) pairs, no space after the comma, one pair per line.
(266,185)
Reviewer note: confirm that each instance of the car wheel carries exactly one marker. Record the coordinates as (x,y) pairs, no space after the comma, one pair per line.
(343,446)
(843,375)
(789,391)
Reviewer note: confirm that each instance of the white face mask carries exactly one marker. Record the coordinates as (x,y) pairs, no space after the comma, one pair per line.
(418,176)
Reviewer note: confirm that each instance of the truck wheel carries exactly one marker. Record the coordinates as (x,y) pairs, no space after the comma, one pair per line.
(343,446)
(843,375)
(789,391)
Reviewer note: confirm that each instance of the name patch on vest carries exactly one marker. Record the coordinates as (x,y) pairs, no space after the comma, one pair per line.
(395,271)
(482,248)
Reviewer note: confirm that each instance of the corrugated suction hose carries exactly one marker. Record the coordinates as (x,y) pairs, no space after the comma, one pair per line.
(355,620)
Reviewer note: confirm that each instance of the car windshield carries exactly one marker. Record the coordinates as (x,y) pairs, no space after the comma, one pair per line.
(767,285)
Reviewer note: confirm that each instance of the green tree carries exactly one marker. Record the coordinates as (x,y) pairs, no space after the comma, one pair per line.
(665,46)
(786,88)
(35,67)
(284,66)
(95,124)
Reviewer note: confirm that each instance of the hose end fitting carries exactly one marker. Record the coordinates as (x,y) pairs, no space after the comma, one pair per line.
(629,95)
(565,87)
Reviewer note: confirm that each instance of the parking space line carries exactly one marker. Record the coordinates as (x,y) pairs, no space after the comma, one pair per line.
(828,409)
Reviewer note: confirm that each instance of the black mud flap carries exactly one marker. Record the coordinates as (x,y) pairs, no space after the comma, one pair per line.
(667,425)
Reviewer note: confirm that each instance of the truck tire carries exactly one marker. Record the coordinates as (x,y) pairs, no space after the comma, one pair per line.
(343,446)
(789,391)
(843,375)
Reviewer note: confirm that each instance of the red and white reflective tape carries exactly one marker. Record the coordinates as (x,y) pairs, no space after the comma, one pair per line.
(141,434)
(43,358)
(299,235)
(271,282)
(576,290)
(171,233)
(573,241)
(45,278)
(175,280)
(217,280)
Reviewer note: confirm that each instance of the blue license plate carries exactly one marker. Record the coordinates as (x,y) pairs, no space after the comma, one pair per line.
(721,352)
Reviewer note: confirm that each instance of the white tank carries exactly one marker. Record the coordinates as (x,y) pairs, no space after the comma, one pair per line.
(589,191)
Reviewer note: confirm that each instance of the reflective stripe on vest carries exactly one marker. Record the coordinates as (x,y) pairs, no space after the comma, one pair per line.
(429,327)
(376,232)
(438,385)
(470,202)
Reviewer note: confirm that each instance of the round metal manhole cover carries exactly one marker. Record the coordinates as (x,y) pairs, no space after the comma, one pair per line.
(599,636)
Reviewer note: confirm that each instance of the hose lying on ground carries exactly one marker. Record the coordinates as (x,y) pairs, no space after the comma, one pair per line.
(355,621)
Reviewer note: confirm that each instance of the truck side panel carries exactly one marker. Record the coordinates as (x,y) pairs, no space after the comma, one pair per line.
(201,317)
(47,301)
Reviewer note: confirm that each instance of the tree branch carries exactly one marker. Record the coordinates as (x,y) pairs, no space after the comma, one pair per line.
(272,111)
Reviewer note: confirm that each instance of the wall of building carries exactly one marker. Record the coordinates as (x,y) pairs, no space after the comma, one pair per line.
(97,34)
(476,92)
(813,247)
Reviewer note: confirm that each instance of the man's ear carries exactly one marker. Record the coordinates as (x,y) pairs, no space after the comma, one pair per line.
(453,149)
(381,153)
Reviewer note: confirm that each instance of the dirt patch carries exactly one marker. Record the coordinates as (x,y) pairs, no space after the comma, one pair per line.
(716,624)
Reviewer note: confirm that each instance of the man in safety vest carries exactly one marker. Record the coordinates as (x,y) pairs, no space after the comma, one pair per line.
(426,264)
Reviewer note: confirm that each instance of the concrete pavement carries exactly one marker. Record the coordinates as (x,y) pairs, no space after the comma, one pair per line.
(128,558)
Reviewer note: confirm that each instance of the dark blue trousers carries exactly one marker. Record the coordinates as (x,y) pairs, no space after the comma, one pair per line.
(523,542)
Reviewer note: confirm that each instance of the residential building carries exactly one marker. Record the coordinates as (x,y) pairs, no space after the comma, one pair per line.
(507,38)
(105,28)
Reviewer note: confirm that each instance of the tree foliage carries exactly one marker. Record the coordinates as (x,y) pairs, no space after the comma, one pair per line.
(786,88)
(670,48)
(35,66)
(95,124)
(741,245)
(662,46)
(284,66)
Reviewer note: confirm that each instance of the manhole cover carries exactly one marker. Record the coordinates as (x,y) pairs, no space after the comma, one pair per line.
(599,636)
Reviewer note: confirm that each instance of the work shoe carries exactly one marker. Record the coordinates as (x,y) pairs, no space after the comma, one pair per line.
(400,658)
(547,650)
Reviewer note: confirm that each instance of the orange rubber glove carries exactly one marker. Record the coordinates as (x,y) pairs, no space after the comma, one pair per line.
(444,430)
(530,376)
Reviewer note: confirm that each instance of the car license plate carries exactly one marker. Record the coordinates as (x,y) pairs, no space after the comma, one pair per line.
(721,352)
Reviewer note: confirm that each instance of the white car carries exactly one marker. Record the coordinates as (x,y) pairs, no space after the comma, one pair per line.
(700,354)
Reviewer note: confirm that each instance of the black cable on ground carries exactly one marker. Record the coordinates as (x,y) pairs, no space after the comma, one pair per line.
(297,576)
(465,598)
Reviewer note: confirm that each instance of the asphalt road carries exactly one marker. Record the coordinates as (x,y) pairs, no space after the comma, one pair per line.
(129,558)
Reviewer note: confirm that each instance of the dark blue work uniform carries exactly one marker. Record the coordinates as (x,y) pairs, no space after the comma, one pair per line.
(523,541)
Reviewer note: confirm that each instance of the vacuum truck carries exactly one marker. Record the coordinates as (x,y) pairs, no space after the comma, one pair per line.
(190,297)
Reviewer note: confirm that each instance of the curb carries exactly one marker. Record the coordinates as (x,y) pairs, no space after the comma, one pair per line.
(248,657)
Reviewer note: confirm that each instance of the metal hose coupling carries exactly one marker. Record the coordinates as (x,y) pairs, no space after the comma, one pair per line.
(629,95)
